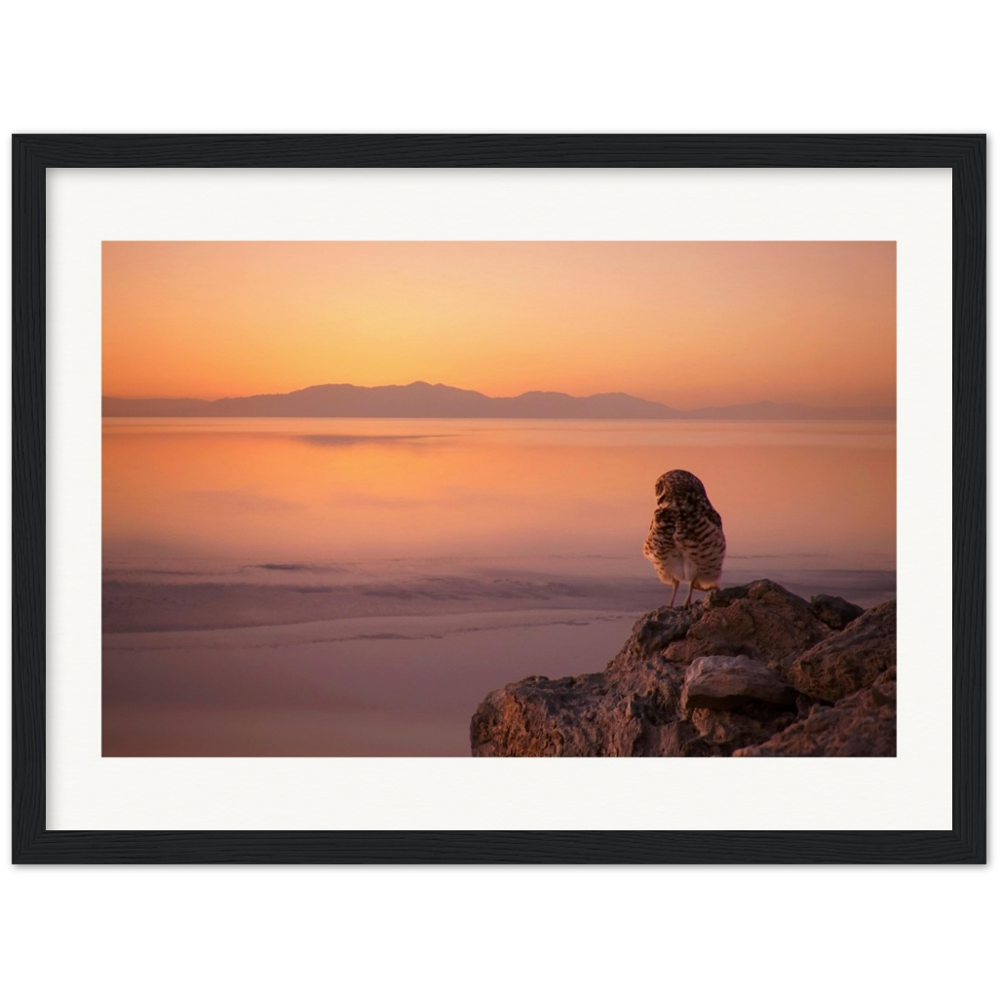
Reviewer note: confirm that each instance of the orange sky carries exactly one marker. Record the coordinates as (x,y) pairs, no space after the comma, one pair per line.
(687,324)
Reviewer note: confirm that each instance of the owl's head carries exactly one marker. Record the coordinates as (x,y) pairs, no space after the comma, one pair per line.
(678,484)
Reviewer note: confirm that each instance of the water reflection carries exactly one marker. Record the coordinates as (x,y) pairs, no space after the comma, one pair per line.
(294,490)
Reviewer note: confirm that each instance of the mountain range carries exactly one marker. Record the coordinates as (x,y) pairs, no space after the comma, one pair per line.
(421,399)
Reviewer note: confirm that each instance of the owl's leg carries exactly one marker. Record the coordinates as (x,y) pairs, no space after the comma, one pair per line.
(687,600)
(673,594)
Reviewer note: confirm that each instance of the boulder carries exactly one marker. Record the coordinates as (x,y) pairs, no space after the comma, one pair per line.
(861,725)
(835,611)
(848,660)
(732,682)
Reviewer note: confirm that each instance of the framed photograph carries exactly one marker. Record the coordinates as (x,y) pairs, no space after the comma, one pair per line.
(499,499)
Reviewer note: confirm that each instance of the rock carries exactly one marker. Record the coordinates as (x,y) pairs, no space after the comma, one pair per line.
(744,672)
(593,715)
(730,682)
(848,660)
(761,620)
(725,732)
(835,611)
(861,725)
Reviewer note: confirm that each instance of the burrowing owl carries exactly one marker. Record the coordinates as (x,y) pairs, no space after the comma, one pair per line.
(685,540)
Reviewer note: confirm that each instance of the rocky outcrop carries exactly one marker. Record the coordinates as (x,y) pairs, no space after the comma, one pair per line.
(750,671)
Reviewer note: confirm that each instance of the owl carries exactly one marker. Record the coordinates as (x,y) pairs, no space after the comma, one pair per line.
(685,540)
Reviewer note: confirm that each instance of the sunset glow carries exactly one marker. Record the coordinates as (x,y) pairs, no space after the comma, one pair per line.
(348,572)
(686,324)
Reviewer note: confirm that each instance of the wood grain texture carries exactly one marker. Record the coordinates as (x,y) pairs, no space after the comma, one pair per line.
(965,155)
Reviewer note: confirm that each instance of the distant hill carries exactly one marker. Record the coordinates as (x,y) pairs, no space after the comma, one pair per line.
(421,399)
(765,410)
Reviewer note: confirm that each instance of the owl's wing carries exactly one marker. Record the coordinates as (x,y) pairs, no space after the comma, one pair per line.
(713,515)
(663,524)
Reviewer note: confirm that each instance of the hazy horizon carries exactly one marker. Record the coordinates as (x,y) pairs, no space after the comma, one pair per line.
(466,388)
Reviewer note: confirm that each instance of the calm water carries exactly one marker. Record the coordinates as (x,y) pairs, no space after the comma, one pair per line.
(278,587)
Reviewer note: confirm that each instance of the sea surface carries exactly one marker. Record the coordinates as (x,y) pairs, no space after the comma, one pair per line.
(325,587)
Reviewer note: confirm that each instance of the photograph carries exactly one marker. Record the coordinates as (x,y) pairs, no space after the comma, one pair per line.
(498,499)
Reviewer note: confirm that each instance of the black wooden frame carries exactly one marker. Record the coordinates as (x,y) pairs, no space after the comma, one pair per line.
(965,155)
